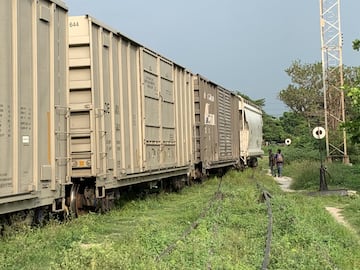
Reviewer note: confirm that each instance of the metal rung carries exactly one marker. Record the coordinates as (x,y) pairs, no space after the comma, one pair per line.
(59,158)
(61,107)
(61,132)
(80,132)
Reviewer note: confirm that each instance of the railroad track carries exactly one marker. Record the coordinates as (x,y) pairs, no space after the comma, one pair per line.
(266,196)
(218,195)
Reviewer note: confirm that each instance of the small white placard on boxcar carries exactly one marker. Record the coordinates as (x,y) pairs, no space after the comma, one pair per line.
(26,140)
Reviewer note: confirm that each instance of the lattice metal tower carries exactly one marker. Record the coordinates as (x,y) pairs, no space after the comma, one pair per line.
(333,80)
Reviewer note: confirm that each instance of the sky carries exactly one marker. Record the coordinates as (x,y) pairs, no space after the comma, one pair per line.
(241,45)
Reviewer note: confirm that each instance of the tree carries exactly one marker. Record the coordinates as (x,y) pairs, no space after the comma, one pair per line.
(356,45)
(294,124)
(304,96)
(352,125)
(272,129)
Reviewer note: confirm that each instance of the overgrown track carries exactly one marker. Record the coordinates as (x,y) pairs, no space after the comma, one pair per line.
(217,196)
(266,197)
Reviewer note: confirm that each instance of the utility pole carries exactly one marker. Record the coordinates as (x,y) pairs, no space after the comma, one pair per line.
(333,80)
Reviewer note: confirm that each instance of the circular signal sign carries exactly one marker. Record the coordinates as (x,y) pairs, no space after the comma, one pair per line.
(319,133)
(288,141)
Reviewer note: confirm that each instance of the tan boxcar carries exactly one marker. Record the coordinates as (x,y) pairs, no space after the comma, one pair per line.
(131,109)
(215,130)
(33,83)
(224,123)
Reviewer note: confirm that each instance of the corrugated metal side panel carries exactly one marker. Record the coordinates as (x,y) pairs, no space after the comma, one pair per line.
(27,112)
(33,103)
(235,126)
(244,131)
(81,98)
(224,124)
(125,109)
(152,110)
(251,129)
(61,99)
(184,104)
(130,110)
(117,104)
(105,101)
(7,184)
(159,109)
(206,131)
(98,149)
(168,157)
(253,118)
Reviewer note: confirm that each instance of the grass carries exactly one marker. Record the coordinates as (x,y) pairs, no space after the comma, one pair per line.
(231,236)
(306,175)
(339,176)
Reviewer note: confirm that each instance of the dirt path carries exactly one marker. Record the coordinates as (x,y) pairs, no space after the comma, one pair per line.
(336,213)
(285,183)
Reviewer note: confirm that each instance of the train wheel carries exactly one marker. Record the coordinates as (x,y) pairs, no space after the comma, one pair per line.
(74,205)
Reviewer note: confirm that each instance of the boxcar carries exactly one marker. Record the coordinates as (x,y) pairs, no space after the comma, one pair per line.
(131,113)
(228,129)
(33,104)
(251,134)
(33,85)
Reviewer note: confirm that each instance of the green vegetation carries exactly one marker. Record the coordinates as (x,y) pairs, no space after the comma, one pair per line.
(304,98)
(339,176)
(231,235)
(303,165)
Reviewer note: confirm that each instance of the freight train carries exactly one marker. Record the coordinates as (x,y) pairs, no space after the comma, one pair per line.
(86,111)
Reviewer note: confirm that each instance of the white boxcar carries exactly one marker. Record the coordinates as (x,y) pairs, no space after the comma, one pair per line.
(131,114)
(33,83)
(251,134)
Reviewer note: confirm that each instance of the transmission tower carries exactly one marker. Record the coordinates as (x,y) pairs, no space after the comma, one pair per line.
(333,80)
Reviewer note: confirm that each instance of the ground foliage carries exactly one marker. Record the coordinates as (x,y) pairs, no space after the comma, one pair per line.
(231,235)
(305,172)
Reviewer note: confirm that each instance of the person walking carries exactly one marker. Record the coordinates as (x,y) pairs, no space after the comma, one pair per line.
(272,162)
(279,159)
